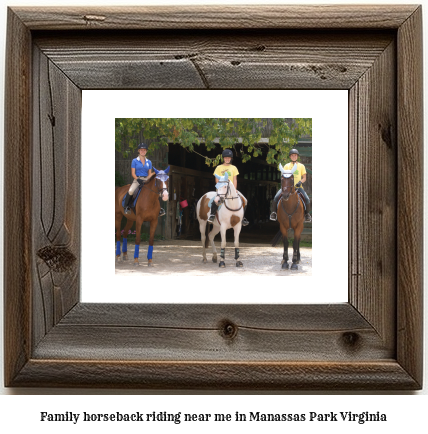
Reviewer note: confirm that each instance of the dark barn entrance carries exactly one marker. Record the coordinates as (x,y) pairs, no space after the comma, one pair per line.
(191,178)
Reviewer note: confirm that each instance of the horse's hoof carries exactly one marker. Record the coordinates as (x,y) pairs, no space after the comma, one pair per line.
(239,264)
(215,259)
(285,266)
(124,258)
(150,264)
(136,263)
(222,264)
(204,260)
(117,258)
(294,267)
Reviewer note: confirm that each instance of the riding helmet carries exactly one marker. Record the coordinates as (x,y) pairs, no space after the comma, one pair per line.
(227,153)
(143,146)
(293,151)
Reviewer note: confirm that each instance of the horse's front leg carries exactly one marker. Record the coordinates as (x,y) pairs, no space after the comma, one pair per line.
(214,231)
(296,247)
(237,231)
(153,226)
(138,225)
(296,253)
(202,229)
(118,220)
(284,262)
(125,239)
(223,247)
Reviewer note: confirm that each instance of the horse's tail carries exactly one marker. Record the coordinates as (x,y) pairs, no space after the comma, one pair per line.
(276,238)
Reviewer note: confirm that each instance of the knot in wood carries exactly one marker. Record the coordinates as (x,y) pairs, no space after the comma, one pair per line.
(94,18)
(227,329)
(58,259)
(351,340)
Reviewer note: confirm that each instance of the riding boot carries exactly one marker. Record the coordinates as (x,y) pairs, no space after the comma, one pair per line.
(214,208)
(308,217)
(274,206)
(245,222)
(127,205)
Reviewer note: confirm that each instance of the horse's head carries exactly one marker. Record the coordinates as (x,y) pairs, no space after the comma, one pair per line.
(287,181)
(222,186)
(162,182)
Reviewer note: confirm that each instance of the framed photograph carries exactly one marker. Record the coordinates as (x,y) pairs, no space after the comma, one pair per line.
(178,253)
(372,341)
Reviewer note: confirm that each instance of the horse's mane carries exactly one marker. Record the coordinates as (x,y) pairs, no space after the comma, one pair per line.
(232,188)
(151,176)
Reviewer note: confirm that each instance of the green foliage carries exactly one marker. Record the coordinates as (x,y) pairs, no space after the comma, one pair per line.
(204,133)
(118,179)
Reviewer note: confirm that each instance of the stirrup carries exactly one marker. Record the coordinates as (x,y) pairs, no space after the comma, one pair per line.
(161,212)
(211,218)
(273,216)
(245,222)
(308,218)
(127,210)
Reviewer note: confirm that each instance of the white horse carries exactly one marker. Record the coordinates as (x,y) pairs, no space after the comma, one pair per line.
(229,215)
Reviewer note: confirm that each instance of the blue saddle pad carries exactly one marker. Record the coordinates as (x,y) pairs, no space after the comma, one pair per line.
(135,201)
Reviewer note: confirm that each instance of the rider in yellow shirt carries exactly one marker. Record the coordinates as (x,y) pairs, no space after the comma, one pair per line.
(299,179)
(232,173)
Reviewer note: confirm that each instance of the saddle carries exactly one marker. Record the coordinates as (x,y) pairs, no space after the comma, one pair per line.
(136,193)
(134,198)
(302,198)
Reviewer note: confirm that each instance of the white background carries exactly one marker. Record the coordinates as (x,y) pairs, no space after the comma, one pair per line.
(406,413)
(329,112)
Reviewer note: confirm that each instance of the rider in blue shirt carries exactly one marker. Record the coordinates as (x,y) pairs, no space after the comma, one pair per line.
(141,169)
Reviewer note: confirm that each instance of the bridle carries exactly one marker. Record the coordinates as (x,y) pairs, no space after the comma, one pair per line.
(223,197)
(285,200)
(160,190)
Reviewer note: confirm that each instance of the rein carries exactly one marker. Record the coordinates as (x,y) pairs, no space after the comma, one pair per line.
(295,209)
(230,198)
(159,192)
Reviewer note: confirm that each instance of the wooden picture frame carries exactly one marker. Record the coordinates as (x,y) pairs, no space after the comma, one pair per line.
(372,342)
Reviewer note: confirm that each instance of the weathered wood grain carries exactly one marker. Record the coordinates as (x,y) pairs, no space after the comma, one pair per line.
(56,194)
(284,376)
(246,17)
(410,194)
(214,333)
(374,176)
(372,342)
(17,198)
(210,316)
(208,60)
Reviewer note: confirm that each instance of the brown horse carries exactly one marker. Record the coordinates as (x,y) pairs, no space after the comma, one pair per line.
(291,214)
(146,210)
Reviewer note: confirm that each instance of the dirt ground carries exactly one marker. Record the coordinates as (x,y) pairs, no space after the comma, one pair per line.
(185,256)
